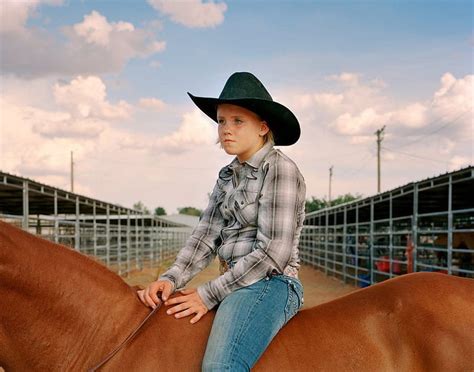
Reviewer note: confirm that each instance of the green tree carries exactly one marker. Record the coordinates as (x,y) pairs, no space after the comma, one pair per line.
(139,206)
(341,199)
(315,204)
(160,211)
(191,211)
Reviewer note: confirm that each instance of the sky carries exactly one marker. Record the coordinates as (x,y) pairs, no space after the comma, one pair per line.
(108,80)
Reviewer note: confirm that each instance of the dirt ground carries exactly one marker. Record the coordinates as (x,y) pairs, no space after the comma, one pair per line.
(318,288)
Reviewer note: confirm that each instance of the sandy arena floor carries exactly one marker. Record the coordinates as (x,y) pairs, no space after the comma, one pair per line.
(318,288)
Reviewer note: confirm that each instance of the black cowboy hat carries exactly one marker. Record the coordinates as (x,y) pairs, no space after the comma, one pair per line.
(245,90)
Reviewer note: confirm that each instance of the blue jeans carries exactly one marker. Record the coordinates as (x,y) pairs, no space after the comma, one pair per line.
(248,319)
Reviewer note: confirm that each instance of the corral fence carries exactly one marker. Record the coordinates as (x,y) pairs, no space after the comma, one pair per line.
(123,239)
(422,226)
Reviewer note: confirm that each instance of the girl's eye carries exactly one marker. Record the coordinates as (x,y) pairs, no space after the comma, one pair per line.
(220,121)
(238,121)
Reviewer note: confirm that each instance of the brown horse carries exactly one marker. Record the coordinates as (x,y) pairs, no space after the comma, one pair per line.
(61,311)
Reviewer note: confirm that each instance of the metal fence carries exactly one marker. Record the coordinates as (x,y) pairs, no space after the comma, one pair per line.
(422,226)
(122,238)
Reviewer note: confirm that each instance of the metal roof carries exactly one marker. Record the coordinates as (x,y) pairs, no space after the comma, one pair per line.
(432,187)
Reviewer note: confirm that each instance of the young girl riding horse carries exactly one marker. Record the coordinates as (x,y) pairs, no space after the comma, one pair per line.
(252,223)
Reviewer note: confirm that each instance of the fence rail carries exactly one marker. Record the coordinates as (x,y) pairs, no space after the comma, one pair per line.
(124,239)
(122,244)
(424,226)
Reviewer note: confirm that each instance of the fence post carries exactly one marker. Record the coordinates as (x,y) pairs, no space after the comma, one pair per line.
(26,210)
(56,222)
(77,233)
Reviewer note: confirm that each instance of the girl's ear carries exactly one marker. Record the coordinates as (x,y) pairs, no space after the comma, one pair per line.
(264,128)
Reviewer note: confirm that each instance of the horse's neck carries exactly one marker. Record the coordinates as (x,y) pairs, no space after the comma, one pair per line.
(58,306)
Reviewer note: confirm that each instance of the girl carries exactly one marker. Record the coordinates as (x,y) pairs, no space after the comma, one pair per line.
(252,223)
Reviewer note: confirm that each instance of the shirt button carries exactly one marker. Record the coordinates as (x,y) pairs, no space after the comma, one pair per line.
(225,206)
(242,202)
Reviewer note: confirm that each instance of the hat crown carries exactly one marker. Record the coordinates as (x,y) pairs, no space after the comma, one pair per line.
(241,85)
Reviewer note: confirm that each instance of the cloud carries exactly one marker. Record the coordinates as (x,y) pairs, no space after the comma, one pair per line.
(92,46)
(413,115)
(16,13)
(86,96)
(364,122)
(96,30)
(458,162)
(195,129)
(361,108)
(192,13)
(349,78)
(154,104)
(81,110)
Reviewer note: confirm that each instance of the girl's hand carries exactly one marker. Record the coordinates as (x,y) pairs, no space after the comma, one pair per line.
(149,295)
(189,304)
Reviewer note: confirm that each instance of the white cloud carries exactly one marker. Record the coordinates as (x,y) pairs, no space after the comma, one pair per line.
(458,162)
(192,13)
(195,129)
(454,96)
(92,46)
(96,30)
(14,14)
(364,122)
(346,78)
(414,115)
(86,97)
(152,104)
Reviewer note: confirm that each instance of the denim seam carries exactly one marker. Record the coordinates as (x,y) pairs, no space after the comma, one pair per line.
(238,337)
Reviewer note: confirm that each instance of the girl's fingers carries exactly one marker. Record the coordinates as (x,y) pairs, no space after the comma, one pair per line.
(153,290)
(184,313)
(177,300)
(140,296)
(196,318)
(188,291)
(149,300)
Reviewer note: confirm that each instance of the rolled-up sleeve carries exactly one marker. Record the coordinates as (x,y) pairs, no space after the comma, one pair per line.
(200,248)
(281,203)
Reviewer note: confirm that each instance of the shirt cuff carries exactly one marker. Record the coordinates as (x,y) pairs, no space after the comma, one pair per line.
(169,279)
(207,297)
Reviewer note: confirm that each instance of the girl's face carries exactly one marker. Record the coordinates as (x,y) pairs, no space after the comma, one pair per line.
(240,130)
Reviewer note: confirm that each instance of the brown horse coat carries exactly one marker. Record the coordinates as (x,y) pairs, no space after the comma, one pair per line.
(61,311)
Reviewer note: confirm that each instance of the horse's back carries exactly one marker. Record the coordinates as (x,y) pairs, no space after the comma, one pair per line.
(422,321)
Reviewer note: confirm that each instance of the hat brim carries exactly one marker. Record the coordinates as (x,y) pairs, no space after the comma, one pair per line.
(283,123)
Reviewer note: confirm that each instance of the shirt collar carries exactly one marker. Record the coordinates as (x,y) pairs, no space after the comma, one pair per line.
(256,159)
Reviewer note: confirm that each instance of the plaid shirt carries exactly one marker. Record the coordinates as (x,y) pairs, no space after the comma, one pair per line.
(253,223)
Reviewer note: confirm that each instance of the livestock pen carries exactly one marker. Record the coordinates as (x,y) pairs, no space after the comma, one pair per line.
(124,239)
(426,225)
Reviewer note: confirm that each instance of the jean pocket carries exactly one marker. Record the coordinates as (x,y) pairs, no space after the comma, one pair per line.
(295,299)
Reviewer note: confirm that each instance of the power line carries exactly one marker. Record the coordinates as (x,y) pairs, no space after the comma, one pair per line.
(414,156)
(448,124)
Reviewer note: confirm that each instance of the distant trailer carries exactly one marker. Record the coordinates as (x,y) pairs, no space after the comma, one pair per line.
(124,239)
(423,226)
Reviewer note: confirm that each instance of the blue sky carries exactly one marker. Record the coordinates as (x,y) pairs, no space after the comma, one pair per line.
(117,97)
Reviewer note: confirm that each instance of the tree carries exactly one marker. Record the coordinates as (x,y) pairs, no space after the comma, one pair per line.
(139,206)
(191,211)
(316,204)
(160,211)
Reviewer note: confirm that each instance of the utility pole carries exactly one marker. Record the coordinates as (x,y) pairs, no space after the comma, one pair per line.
(72,171)
(330,177)
(379,134)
